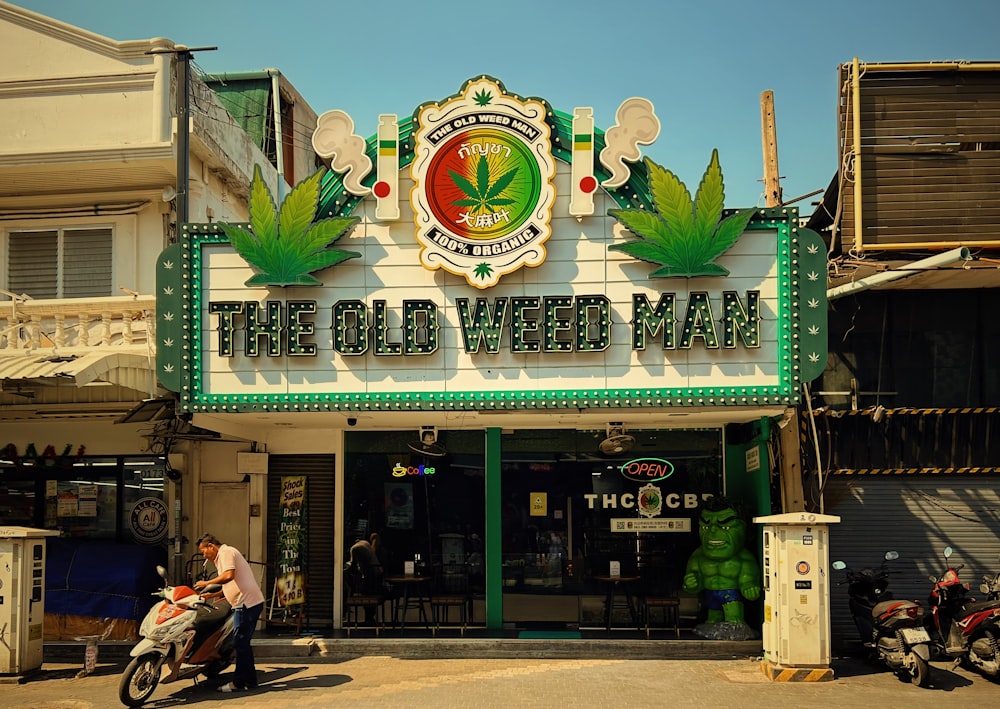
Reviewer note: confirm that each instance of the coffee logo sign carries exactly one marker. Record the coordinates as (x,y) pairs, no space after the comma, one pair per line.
(148,520)
(483,170)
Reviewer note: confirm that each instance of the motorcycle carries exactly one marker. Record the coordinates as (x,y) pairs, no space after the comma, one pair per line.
(964,629)
(187,633)
(991,586)
(893,629)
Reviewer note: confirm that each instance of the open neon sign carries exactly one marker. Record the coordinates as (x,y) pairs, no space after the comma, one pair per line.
(647,469)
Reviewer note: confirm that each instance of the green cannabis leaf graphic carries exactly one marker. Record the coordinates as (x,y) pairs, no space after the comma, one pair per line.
(484,195)
(483,97)
(286,246)
(484,270)
(681,236)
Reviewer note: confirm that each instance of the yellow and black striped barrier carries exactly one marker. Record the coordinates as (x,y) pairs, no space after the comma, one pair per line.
(777,673)
(914,471)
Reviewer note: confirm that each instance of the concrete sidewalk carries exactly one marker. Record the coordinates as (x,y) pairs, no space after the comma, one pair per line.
(388,680)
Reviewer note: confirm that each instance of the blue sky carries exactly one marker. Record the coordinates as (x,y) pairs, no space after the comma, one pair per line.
(703,64)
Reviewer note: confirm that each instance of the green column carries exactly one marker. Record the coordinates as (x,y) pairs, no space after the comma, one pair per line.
(494,533)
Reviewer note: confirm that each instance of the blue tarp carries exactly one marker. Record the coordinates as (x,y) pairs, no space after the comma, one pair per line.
(101,579)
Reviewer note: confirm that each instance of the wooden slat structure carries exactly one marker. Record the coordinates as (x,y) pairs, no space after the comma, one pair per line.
(928,149)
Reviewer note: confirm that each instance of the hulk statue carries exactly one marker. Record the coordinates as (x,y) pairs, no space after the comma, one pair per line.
(721,566)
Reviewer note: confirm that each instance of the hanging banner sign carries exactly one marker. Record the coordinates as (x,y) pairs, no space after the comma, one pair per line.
(291,519)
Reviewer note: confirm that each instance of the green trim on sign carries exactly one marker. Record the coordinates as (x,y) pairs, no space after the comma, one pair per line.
(494,531)
(170,299)
(793,280)
(813,304)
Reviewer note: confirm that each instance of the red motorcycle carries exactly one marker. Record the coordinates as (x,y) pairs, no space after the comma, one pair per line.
(962,628)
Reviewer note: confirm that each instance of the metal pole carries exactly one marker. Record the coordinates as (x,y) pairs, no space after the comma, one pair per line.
(182,109)
(182,67)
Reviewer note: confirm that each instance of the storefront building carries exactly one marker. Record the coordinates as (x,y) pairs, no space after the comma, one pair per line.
(494,336)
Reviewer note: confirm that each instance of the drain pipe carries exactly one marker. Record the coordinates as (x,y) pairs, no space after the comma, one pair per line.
(279,153)
(937,261)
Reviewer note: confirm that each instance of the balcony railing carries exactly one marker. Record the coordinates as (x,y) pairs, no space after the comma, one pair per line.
(67,323)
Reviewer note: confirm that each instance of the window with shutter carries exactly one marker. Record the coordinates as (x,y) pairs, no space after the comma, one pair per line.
(60,263)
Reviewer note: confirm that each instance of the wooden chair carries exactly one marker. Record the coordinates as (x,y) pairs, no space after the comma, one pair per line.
(356,605)
(365,594)
(451,590)
(671,607)
(659,593)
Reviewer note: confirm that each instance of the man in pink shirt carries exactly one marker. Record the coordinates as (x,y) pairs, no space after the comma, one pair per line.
(243,593)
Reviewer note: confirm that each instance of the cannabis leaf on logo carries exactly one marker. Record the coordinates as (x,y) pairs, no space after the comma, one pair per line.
(681,236)
(484,270)
(484,195)
(483,97)
(286,249)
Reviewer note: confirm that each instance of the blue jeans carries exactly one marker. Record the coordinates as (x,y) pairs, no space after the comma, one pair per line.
(244,622)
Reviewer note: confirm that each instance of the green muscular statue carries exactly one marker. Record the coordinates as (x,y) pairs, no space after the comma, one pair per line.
(721,566)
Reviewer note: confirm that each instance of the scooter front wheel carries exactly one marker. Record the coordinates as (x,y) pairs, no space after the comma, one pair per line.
(140,679)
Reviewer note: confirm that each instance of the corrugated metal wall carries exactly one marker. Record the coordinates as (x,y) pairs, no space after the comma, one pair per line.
(916,515)
(318,558)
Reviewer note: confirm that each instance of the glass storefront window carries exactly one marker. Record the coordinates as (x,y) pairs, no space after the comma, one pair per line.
(568,513)
(17,502)
(89,497)
(572,514)
(427,509)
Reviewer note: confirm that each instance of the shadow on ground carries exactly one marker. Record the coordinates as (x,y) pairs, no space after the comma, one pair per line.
(943,678)
(274,679)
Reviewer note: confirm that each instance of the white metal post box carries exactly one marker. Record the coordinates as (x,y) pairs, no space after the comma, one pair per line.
(796,631)
(22,598)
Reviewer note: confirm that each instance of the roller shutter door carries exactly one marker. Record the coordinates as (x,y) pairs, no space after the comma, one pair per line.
(318,559)
(917,516)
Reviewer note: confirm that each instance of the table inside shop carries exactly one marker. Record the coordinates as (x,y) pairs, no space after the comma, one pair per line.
(612,583)
(413,595)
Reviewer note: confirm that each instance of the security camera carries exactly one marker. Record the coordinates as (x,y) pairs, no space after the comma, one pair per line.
(352,421)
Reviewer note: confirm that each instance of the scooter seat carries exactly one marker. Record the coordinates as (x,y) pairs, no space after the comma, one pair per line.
(210,617)
(979,607)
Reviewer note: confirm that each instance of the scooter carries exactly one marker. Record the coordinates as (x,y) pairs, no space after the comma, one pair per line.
(990,586)
(187,633)
(964,629)
(892,628)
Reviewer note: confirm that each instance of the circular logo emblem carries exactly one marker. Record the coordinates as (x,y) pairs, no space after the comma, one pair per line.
(483,176)
(148,520)
(650,500)
(483,184)
(802,567)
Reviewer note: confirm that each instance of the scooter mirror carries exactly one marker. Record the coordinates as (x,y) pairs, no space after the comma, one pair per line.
(891,555)
(839,565)
(162,572)
(948,551)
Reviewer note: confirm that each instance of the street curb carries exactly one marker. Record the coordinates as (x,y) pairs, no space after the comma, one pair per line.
(320,649)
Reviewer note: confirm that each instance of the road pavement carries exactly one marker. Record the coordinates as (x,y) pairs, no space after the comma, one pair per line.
(385,681)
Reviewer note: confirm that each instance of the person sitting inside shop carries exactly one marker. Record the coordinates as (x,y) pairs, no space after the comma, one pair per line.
(364,573)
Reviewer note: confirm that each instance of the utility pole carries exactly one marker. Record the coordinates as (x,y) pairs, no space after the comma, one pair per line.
(769,138)
(182,109)
(789,460)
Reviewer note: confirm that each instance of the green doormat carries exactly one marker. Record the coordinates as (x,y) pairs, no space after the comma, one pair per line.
(549,635)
